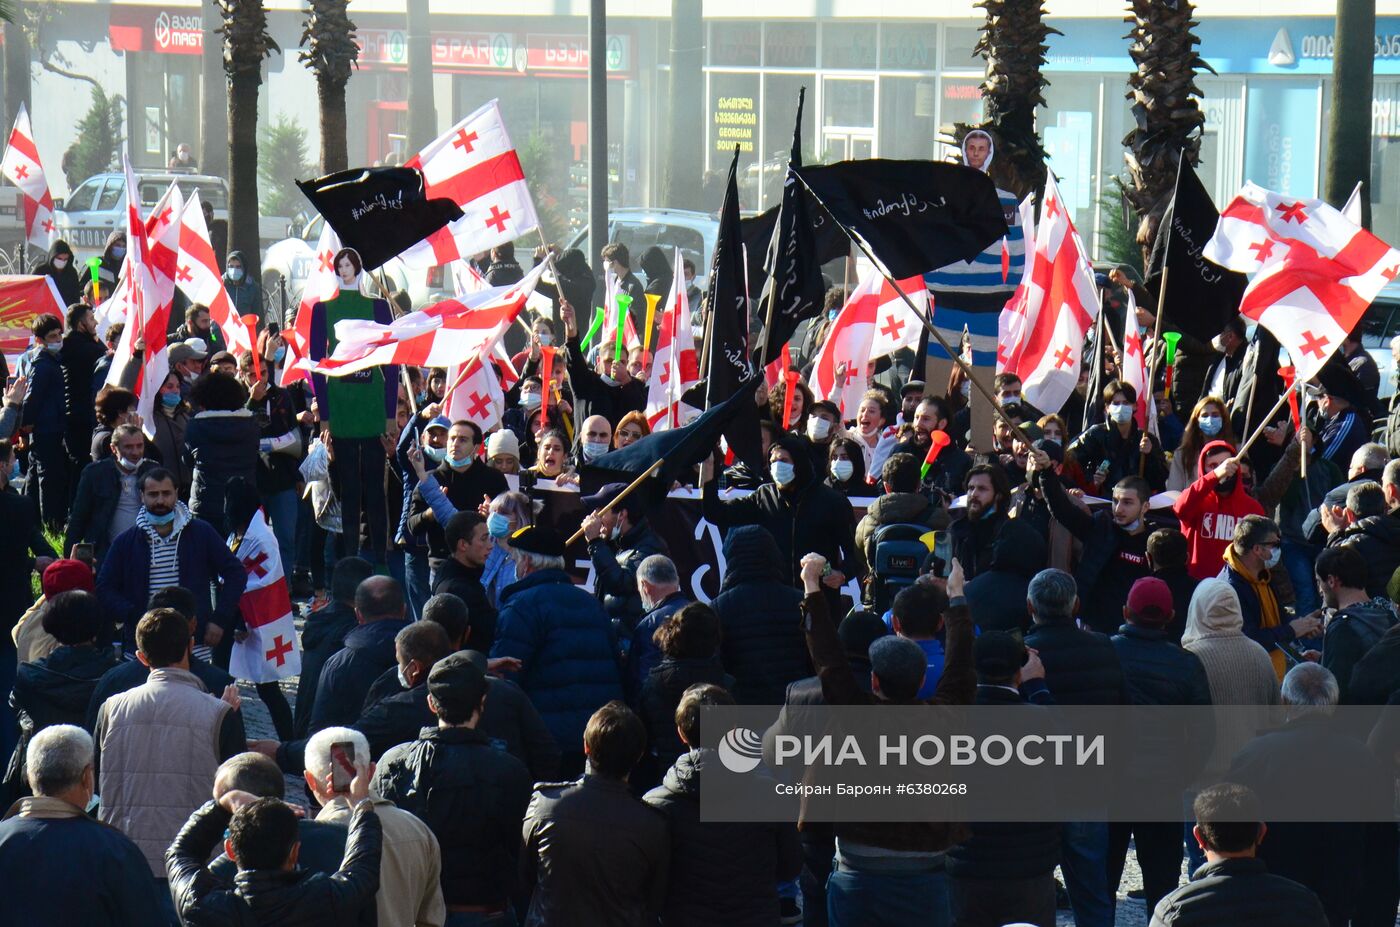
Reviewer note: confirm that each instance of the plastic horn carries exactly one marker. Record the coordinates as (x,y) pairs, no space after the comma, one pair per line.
(938,441)
(250,321)
(94,265)
(624,303)
(593,329)
(1171,338)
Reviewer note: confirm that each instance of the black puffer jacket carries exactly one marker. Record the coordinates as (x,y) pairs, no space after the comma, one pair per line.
(473,797)
(1081,667)
(1005,849)
(465,583)
(1239,892)
(1377,674)
(79,358)
(321,638)
(1377,539)
(721,872)
(1104,442)
(465,488)
(896,508)
(1350,635)
(347,676)
(295,898)
(616,564)
(762,643)
(54,690)
(661,693)
(222,445)
(997,595)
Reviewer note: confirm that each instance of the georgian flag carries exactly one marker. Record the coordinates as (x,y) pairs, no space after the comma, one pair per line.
(1041,331)
(446,333)
(675,367)
(475,166)
(21,167)
(1135,370)
(1315,271)
(874,322)
(321,284)
(271,650)
(474,393)
(197,275)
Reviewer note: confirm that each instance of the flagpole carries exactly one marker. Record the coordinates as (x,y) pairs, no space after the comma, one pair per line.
(403,371)
(928,325)
(573,539)
(1162,290)
(1259,429)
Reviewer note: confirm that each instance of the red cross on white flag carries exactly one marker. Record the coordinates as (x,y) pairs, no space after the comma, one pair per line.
(270,651)
(1041,331)
(474,165)
(674,368)
(1315,271)
(197,276)
(474,393)
(874,322)
(21,167)
(321,283)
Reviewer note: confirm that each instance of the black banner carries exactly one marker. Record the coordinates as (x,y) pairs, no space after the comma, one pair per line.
(1202,296)
(913,215)
(379,211)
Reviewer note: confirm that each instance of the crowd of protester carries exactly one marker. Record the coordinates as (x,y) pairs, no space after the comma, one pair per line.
(479,738)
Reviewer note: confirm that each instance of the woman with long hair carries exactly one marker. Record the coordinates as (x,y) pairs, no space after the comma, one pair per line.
(1209,421)
(845,467)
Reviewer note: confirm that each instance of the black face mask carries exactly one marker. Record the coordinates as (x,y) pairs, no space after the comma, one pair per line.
(1227,485)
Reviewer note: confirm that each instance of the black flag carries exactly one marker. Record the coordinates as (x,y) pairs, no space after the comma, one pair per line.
(1204,296)
(829,241)
(912,215)
(727,366)
(378,211)
(680,449)
(794,291)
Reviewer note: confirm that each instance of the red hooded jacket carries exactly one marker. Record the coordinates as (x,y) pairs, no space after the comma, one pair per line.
(1208,517)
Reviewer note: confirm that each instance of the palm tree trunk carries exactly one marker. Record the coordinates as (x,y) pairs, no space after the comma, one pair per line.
(213,114)
(243,171)
(17,58)
(1349,138)
(331,94)
(422,116)
(682,171)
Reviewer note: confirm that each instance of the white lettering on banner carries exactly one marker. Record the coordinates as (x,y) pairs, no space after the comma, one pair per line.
(177,31)
(906,205)
(377,203)
(1323,46)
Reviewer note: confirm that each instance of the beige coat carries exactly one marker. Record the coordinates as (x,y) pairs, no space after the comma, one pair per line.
(410,867)
(159,752)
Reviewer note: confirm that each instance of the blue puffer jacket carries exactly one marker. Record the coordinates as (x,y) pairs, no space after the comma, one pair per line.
(762,644)
(564,641)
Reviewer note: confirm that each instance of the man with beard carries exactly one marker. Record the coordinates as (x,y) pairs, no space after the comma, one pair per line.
(951,468)
(987,523)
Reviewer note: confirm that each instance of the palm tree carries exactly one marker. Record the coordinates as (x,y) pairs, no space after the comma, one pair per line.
(422,115)
(1349,137)
(246,44)
(1013,45)
(1166,108)
(328,38)
(684,166)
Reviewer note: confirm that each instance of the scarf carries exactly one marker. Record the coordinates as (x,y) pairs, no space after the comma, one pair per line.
(1268,605)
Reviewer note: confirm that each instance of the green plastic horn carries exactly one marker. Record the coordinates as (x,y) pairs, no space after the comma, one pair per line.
(593,329)
(94,265)
(1171,338)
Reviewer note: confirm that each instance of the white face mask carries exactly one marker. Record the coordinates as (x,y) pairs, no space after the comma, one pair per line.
(607,380)
(818,428)
(403,680)
(530,400)
(594,449)
(1274,558)
(782,472)
(546,339)
(1120,412)
(842,470)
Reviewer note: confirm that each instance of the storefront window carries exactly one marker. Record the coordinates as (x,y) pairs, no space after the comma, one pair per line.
(848,46)
(960,101)
(1384,188)
(780,109)
(1067,129)
(735,44)
(734,111)
(908,123)
(958,42)
(790,45)
(908,46)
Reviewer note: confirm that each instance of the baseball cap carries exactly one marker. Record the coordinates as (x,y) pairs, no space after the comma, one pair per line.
(998,654)
(65,576)
(440,421)
(503,442)
(197,346)
(1150,601)
(179,353)
(533,539)
(457,684)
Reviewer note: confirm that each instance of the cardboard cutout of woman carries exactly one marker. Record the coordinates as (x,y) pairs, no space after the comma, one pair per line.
(356,411)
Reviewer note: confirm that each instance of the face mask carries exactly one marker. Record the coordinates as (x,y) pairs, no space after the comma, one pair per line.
(1218,343)
(235,274)
(497,525)
(782,472)
(831,314)
(53,348)
(170,400)
(119,252)
(60,264)
(842,470)
(1133,526)
(155,519)
(128,466)
(593,449)
(462,464)
(403,679)
(966,389)
(615,533)
(818,428)
(607,380)
(1274,558)
(435,454)
(1226,485)
(279,354)
(1120,412)
(546,339)
(1210,425)
(530,400)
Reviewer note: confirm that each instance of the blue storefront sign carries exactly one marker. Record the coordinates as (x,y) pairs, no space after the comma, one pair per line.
(1280,150)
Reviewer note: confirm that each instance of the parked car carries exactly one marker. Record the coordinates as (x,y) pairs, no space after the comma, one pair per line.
(1379,325)
(292,259)
(640,228)
(98,206)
